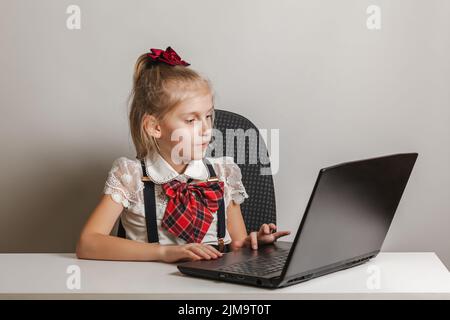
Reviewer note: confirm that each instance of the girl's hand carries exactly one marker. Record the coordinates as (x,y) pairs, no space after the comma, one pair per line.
(188,252)
(265,235)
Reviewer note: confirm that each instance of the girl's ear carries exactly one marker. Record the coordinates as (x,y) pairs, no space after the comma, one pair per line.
(151,126)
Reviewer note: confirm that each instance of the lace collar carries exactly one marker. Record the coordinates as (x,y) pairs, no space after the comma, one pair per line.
(160,171)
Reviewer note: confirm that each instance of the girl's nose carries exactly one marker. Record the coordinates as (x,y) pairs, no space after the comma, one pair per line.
(206,126)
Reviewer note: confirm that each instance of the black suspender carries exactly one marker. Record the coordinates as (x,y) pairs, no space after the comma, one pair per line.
(221,228)
(150,208)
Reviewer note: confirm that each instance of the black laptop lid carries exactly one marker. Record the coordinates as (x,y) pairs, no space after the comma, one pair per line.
(350,210)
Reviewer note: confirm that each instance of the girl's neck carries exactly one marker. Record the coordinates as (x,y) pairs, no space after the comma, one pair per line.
(177,167)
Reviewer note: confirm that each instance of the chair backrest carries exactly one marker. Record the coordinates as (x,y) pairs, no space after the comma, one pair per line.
(260,206)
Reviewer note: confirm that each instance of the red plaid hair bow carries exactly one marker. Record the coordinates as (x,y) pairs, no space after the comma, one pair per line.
(168,56)
(189,211)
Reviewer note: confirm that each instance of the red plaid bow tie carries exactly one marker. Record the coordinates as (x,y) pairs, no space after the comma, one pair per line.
(189,211)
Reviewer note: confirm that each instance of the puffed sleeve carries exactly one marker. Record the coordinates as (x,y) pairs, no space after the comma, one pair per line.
(233,178)
(123,182)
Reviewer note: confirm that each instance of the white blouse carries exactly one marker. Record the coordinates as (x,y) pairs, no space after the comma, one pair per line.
(125,187)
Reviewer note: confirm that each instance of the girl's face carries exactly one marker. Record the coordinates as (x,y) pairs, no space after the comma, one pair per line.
(185,132)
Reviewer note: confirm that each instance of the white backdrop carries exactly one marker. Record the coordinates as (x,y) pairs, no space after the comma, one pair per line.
(337,91)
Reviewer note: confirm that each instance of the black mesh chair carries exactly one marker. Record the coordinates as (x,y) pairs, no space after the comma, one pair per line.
(260,206)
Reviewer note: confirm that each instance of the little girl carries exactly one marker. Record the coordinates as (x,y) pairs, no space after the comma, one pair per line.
(172,200)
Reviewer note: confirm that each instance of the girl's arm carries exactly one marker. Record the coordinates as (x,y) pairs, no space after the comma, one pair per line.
(235,222)
(96,242)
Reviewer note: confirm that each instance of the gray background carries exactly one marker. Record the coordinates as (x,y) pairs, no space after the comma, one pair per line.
(336,90)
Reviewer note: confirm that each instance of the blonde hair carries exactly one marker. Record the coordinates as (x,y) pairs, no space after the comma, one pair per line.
(157,89)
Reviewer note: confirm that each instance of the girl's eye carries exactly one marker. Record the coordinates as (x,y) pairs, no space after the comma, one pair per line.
(209,116)
(190,120)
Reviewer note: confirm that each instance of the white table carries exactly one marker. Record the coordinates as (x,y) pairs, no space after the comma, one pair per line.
(401,276)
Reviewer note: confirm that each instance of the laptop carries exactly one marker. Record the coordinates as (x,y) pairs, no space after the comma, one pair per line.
(346,220)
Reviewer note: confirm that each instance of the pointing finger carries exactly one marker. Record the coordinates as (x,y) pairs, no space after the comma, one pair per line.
(280,234)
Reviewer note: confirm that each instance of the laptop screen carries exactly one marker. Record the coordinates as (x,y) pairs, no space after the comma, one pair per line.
(350,211)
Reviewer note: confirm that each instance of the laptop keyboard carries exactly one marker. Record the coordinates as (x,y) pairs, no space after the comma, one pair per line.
(258,266)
